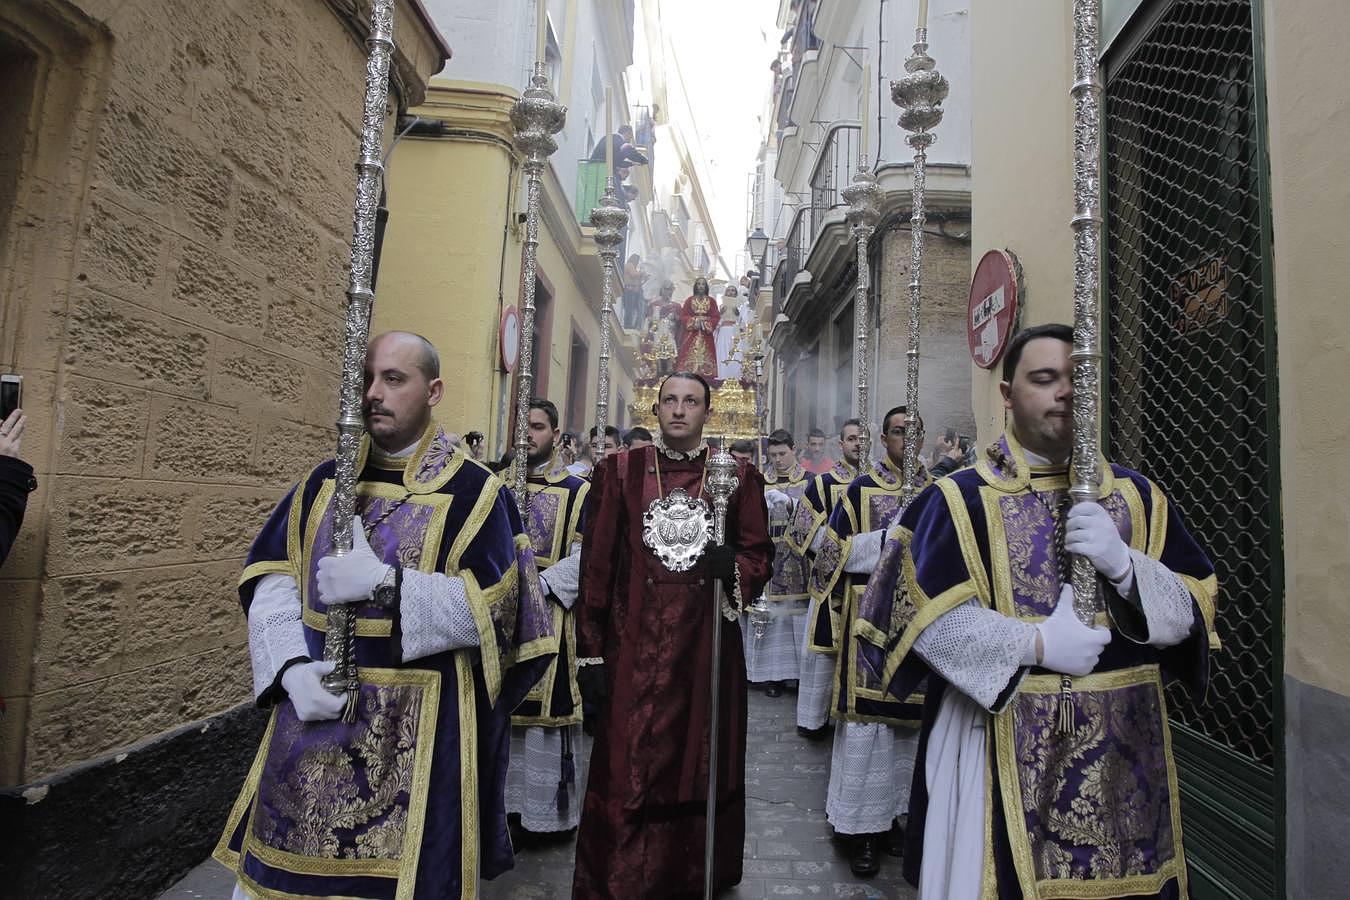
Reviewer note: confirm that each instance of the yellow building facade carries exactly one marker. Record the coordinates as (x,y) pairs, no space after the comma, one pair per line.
(453,262)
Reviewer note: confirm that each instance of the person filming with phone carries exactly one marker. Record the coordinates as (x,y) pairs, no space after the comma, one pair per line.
(16,476)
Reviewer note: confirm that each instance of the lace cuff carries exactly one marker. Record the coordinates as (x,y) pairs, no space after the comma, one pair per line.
(864,552)
(1167,606)
(435,614)
(979,651)
(276,634)
(564,578)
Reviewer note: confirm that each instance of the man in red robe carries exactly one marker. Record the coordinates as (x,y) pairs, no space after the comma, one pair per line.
(699,319)
(642,823)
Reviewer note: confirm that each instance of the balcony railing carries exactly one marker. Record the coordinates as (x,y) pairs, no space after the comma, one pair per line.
(796,247)
(833,171)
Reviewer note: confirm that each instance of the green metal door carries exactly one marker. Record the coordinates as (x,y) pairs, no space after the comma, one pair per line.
(1191,393)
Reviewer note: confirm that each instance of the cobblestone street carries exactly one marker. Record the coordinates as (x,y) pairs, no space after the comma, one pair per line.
(788,848)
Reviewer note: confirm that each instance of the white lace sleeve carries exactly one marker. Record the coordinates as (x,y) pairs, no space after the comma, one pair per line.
(564,578)
(979,651)
(275,632)
(864,551)
(436,615)
(1167,606)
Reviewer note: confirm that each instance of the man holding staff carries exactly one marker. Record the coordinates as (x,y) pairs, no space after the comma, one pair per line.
(647,609)
(452,629)
(1052,731)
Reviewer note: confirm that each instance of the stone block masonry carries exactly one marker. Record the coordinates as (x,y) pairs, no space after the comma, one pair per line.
(172,270)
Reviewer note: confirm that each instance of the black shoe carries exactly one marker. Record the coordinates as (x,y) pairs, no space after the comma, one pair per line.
(773,689)
(895,840)
(866,860)
(813,734)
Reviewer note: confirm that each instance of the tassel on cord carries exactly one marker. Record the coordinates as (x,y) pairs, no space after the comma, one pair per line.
(568,773)
(1065,724)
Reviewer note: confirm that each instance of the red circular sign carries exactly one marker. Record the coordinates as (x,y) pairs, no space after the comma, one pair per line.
(991,313)
(508,337)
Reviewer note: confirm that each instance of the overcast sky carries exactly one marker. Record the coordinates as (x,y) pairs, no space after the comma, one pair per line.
(723,49)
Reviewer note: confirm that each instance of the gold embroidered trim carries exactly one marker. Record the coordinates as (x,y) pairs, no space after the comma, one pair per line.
(1010,788)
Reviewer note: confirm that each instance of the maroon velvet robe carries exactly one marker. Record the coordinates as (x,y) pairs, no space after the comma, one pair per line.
(642,824)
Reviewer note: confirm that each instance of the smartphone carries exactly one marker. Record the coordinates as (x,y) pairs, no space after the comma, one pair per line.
(965,443)
(950,436)
(11,394)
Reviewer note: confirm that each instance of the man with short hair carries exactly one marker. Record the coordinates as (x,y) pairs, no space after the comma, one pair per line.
(637,437)
(776,628)
(451,630)
(1048,769)
(743,450)
(814,458)
(804,536)
(542,780)
(651,618)
(873,756)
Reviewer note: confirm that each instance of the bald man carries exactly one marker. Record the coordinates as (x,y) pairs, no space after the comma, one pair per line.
(452,630)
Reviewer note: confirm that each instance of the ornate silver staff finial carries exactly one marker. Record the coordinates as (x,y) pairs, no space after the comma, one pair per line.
(536,116)
(339,644)
(1085,475)
(919,94)
(863,197)
(609,218)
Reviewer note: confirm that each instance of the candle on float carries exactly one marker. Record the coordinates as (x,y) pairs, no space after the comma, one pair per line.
(866,103)
(609,138)
(923,14)
(541,37)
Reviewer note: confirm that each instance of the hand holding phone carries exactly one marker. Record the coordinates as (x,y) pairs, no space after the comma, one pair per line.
(11,433)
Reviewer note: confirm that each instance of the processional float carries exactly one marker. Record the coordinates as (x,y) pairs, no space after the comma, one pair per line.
(340,640)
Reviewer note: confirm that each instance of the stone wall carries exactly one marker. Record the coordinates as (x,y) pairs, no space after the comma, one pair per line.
(944,356)
(173,295)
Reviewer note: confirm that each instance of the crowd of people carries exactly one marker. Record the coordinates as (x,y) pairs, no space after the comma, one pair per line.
(996,740)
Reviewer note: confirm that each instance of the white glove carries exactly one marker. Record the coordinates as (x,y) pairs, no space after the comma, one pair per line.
(1067,645)
(776,498)
(1090,532)
(353,577)
(312,701)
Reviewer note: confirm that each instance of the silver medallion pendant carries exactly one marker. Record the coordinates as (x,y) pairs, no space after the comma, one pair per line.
(677,527)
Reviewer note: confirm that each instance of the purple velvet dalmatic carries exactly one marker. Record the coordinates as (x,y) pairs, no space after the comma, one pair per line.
(1097,805)
(407,800)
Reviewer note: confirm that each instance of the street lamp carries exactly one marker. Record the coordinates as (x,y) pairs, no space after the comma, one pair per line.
(757,244)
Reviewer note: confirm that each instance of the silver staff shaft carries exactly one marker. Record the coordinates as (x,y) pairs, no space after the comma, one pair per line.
(609,219)
(863,197)
(536,116)
(339,645)
(722,483)
(1085,473)
(919,94)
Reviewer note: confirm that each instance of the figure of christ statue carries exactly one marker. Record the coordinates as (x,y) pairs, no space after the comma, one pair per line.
(698,326)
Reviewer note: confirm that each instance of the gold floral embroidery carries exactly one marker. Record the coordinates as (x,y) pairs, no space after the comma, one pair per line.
(344,796)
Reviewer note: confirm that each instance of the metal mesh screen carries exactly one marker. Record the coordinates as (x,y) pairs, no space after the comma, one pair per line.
(1189,364)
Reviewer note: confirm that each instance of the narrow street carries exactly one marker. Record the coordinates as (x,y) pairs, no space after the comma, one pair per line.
(788,848)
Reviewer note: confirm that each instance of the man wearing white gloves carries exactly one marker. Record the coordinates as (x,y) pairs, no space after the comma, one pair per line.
(1045,766)
(544,781)
(452,629)
(872,759)
(776,625)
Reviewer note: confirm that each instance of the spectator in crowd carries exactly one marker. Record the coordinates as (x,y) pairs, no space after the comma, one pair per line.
(16,480)
(637,437)
(953,452)
(474,440)
(633,278)
(626,155)
(814,458)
